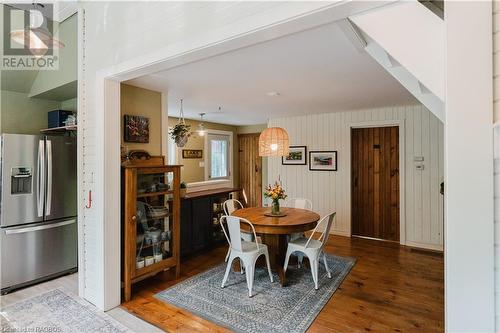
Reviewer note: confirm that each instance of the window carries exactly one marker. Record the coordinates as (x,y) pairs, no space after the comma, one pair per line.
(218,156)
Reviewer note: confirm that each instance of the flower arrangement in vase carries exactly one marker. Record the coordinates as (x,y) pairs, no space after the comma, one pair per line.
(275,193)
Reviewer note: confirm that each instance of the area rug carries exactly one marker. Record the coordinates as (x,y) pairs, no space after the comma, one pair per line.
(57,311)
(272,308)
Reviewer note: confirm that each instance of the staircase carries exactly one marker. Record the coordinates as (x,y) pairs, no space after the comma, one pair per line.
(407,39)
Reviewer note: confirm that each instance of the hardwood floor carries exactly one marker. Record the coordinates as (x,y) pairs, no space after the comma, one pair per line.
(390,289)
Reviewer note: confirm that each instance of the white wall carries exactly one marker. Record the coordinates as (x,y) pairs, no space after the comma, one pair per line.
(330,191)
(496,117)
(469,227)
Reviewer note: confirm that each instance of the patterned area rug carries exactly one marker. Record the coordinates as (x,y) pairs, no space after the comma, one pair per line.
(57,311)
(271,309)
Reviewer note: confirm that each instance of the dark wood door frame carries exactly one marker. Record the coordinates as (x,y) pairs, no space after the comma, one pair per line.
(402,172)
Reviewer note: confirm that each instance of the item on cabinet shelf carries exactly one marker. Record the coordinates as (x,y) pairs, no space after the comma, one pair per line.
(57,118)
(139,155)
(158,257)
(183,189)
(157,212)
(323,160)
(70,120)
(166,236)
(152,236)
(149,260)
(161,187)
(139,263)
(136,129)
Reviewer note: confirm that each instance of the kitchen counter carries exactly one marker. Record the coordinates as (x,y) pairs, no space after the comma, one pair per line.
(207,193)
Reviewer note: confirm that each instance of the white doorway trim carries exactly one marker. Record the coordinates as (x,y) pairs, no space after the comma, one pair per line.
(107,127)
(402,167)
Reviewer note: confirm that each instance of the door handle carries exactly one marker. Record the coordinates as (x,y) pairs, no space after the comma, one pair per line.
(37,228)
(21,176)
(48,203)
(40,178)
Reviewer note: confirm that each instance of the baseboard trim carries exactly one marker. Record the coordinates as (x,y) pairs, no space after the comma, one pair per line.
(432,247)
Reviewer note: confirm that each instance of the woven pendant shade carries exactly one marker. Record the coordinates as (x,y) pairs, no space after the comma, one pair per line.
(273,141)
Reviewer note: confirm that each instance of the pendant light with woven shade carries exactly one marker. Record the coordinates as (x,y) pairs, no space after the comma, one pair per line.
(273,141)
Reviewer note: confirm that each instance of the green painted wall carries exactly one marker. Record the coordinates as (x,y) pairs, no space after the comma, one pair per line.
(69,104)
(21,114)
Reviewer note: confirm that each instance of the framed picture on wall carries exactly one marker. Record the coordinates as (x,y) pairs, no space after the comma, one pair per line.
(136,129)
(192,153)
(296,156)
(323,160)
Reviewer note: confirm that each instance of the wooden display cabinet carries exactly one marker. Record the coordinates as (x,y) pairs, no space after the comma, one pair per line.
(150,221)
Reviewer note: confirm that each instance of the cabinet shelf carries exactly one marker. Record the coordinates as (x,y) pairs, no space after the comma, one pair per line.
(154,194)
(60,129)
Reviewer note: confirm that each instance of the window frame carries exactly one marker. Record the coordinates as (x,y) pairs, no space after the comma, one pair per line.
(207,157)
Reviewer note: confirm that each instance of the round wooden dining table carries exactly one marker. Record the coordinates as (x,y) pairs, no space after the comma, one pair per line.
(274,230)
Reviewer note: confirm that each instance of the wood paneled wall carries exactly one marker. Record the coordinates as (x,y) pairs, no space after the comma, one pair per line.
(330,191)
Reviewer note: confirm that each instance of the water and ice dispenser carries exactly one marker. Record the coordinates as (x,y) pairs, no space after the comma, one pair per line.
(21,180)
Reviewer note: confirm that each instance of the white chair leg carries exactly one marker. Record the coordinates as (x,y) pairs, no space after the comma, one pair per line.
(269,266)
(314,271)
(249,270)
(300,257)
(287,258)
(242,267)
(326,266)
(228,253)
(228,268)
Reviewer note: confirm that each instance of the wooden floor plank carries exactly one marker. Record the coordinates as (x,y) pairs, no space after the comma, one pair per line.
(390,289)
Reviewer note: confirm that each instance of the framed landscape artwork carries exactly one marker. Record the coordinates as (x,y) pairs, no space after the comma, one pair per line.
(296,156)
(323,160)
(136,129)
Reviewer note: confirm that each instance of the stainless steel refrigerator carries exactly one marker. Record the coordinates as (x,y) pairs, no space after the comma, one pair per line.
(38,224)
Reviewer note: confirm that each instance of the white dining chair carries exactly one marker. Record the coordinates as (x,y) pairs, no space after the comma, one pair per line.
(230,206)
(247,252)
(312,248)
(301,203)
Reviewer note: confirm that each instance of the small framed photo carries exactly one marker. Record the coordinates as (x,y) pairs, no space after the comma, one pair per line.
(192,153)
(296,156)
(136,129)
(323,160)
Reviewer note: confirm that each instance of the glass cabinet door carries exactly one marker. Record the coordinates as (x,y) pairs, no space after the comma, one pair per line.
(154,218)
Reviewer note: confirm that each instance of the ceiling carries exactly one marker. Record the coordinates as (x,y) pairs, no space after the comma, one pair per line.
(314,71)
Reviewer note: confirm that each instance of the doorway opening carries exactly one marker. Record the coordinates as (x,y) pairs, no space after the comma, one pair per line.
(375,183)
(250,165)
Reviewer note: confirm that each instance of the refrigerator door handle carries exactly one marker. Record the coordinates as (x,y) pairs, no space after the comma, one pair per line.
(37,228)
(40,178)
(48,202)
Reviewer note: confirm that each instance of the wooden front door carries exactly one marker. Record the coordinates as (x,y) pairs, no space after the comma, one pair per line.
(250,168)
(375,182)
